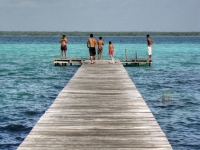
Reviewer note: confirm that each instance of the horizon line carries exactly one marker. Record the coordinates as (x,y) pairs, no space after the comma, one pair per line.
(109,31)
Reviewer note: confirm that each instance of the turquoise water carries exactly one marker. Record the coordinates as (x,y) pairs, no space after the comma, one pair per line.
(30,82)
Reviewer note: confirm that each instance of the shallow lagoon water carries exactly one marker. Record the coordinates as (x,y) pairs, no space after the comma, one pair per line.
(170,87)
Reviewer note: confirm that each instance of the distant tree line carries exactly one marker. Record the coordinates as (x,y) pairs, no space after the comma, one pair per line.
(77,33)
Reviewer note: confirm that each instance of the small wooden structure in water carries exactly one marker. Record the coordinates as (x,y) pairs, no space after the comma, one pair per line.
(100,108)
(64,62)
(126,61)
(79,61)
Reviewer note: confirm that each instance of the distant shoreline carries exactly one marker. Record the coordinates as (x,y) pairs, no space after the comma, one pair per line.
(77,33)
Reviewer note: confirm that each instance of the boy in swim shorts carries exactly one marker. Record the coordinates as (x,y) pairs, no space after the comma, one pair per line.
(91,43)
(100,44)
(63,46)
(111,52)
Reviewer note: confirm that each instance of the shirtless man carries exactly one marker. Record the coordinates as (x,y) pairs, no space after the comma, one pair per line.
(149,47)
(111,51)
(100,44)
(63,47)
(91,43)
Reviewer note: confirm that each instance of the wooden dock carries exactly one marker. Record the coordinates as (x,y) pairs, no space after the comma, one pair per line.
(64,62)
(100,108)
(80,61)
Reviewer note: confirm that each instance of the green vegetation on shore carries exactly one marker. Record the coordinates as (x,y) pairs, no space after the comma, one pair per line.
(79,33)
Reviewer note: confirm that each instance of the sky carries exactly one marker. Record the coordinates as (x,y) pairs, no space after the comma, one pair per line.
(100,15)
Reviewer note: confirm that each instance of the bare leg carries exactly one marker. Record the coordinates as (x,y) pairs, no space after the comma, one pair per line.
(100,55)
(149,59)
(113,60)
(98,51)
(64,54)
(91,58)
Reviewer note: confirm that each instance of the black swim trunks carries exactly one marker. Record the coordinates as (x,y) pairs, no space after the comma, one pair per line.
(92,51)
(63,48)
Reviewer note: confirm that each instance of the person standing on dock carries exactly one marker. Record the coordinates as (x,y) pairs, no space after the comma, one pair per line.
(100,44)
(91,43)
(63,47)
(149,47)
(111,52)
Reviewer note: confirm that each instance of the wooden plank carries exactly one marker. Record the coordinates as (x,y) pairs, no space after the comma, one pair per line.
(63,62)
(100,108)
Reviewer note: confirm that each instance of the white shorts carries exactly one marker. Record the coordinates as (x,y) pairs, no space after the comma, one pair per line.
(149,48)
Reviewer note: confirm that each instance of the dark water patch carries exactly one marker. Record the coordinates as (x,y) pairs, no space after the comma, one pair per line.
(14,128)
(19,139)
(165,105)
(192,145)
(11,146)
(12,73)
(32,112)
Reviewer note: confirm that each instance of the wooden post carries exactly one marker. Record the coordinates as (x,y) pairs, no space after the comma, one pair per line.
(70,63)
(135,56)
(55,63)
(126,56)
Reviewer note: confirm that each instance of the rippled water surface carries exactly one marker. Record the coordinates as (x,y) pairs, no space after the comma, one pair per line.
(30,83)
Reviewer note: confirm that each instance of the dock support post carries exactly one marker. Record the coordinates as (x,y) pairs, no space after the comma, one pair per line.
(56,63)
(136,57)
(126,56)
(70,62)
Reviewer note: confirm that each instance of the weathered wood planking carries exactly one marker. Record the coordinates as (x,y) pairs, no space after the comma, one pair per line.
(79,61)
(100,108)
